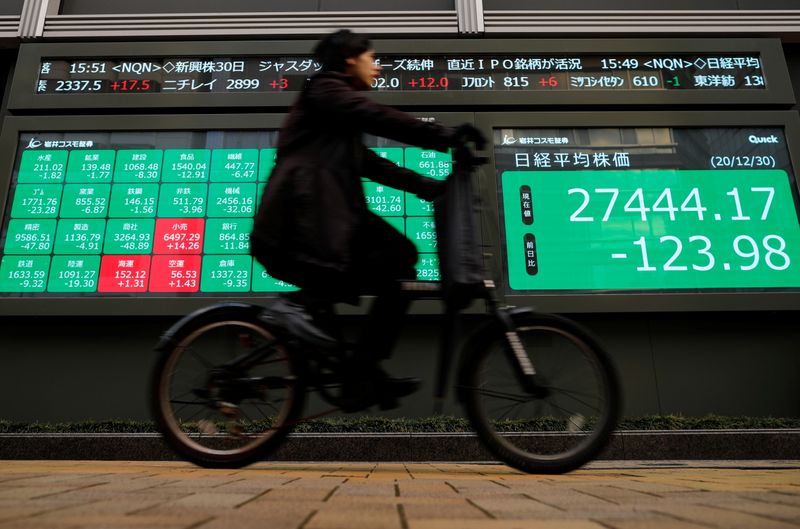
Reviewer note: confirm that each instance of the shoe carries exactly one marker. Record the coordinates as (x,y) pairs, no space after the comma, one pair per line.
(293,318)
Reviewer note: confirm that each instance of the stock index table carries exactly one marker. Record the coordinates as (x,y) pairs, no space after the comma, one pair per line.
(165,212)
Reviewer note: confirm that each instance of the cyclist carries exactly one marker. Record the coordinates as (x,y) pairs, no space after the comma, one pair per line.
(314,229)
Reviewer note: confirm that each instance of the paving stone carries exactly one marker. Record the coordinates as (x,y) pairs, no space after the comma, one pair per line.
(448,510)
(512,506)
(718,517)
(506,524)
(664,523)
(346,518)
(167,495)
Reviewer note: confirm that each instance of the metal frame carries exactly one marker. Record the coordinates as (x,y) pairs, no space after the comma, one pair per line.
(151,304)
(469,19)
(778,90)
(640,301)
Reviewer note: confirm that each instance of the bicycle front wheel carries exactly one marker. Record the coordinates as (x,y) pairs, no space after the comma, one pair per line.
(567,420)
(226,391)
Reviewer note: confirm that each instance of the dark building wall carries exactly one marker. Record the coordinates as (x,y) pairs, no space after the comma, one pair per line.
(11,7)
(70,369)
(792,54)
(725,363)
(649,5)
(89,7)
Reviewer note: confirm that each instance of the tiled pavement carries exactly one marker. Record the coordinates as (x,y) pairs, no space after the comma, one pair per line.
(631,495)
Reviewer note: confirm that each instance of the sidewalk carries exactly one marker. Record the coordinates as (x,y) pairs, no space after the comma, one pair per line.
(615,495)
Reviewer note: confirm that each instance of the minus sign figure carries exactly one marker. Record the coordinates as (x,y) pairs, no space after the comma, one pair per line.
(619,256)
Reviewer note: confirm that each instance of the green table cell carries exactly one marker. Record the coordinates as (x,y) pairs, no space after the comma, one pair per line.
(30,236)
(393,154)
(428,267)
(422,232)
(231,200)
(85,200)
(136,166)
(265,163)
(416,207)
(36,201)
(24,273)
(182,200)
(86,167)
(432,164)
(263,282)
(42,167)
(384,200)
(398,223)
(234,165)
(74,273)
(133,200)
(226,273)
(129,236)
(227,236)
(650,229)
(186,165)
(80,236)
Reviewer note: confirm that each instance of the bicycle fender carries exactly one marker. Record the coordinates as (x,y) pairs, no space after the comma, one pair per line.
(167,339)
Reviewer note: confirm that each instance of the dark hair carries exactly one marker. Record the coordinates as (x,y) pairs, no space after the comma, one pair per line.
(333,49)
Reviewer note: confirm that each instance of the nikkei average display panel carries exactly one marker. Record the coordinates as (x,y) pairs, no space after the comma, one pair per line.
(625,211)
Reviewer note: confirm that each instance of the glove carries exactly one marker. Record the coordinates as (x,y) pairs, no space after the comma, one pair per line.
(431,189)
(466,133)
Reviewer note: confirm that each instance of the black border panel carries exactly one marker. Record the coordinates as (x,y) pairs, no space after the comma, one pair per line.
(621,301)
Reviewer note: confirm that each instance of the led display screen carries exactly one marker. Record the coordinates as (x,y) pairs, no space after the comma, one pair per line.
(520,72)
(648,208)
(164,213)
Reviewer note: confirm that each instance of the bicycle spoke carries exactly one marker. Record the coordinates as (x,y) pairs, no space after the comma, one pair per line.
(235,415)
(573,401)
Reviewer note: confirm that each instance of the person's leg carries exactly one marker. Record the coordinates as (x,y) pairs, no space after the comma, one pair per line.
(385,258)
(304,315)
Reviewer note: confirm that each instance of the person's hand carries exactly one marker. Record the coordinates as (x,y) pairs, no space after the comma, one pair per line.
(431,189)
(466,133)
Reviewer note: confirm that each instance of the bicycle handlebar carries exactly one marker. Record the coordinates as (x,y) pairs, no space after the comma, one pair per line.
(464,156)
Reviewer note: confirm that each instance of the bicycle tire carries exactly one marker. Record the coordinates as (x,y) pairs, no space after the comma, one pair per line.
(194,415)
(553,433)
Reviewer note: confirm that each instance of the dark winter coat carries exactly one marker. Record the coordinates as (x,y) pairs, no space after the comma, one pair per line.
(306,230)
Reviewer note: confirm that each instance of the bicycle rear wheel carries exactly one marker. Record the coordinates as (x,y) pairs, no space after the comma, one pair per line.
(558,428)
(219,414)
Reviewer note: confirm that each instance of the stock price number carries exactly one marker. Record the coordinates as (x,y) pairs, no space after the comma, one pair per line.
(711,229)
(753,253)
(133,85)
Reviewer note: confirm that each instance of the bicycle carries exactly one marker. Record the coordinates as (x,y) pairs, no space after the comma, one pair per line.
(538,389)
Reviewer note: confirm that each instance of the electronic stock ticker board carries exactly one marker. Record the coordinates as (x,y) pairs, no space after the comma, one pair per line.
(688,202)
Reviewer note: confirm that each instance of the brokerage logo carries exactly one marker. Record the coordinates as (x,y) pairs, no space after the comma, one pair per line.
(762,139)
(34,144)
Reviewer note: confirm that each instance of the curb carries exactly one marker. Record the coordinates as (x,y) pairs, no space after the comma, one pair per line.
(415,447)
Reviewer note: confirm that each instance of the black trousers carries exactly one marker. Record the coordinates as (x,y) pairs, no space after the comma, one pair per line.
(382,258)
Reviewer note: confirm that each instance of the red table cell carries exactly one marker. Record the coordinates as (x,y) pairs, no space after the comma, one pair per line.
(179,236)
(175,273)
(124,273)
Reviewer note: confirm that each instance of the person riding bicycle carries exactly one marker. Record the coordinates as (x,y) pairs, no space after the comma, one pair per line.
(314,229)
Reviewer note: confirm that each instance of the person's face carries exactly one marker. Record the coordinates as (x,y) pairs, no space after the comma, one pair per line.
(363,69)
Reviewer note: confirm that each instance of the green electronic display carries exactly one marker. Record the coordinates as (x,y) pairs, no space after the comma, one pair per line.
(637,209)
(165,213)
